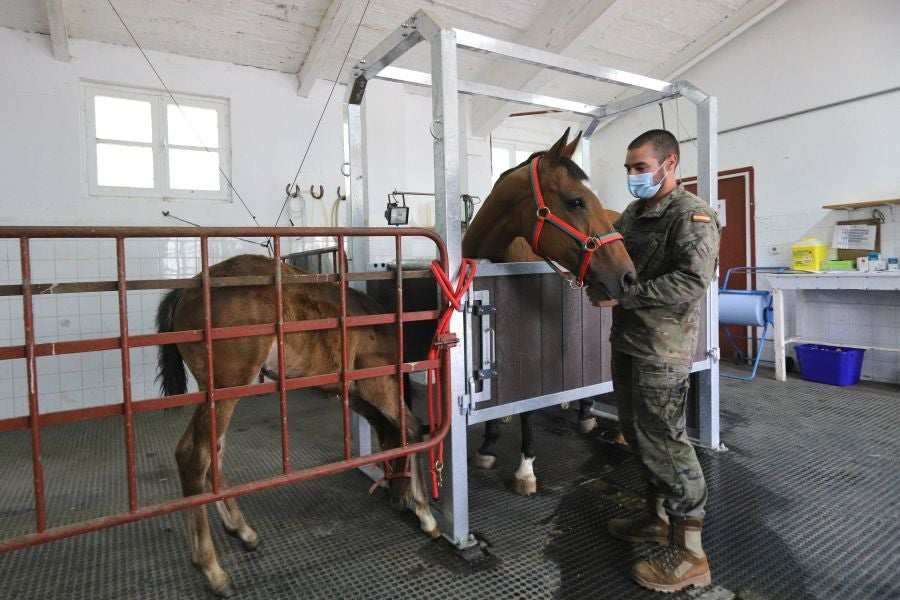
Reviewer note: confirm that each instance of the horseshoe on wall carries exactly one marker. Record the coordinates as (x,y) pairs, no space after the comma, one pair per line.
(341,197)
(292,193)
(313,193)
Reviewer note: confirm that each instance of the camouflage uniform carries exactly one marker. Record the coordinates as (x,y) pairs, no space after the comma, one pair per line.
(674,246)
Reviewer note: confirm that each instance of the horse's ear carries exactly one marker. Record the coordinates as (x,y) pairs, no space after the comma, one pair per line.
(558,149)
(569,150)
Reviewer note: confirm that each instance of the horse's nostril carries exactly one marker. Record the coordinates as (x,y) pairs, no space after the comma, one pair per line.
(628,279)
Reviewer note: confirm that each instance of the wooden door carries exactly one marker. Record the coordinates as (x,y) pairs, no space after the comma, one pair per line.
(736,248)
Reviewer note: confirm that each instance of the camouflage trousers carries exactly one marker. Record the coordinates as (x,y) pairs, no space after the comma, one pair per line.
(650,397)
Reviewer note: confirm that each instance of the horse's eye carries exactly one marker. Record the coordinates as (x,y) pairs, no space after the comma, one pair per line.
(575,203)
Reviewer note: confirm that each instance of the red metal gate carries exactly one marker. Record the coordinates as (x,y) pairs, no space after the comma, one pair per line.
(30,350)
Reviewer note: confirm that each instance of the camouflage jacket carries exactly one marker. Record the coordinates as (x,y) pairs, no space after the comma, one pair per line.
(675,250)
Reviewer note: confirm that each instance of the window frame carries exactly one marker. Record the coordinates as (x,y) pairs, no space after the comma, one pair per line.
(159,100)
(512,148)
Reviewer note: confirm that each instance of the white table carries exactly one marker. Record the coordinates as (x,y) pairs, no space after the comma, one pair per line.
(834,281)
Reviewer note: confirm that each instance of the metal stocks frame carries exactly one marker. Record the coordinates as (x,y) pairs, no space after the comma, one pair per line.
(445,127)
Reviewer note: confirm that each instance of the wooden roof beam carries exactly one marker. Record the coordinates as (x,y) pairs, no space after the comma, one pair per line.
(329,39)
(59,37)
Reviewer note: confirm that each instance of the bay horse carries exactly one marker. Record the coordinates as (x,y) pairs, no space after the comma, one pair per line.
(501,231)
(238,361)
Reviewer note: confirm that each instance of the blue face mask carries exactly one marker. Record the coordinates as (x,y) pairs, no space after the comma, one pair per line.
(642,186)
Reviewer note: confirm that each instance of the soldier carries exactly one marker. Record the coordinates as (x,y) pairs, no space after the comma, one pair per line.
(673,239)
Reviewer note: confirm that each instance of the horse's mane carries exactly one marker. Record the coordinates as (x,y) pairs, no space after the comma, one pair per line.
(571,166)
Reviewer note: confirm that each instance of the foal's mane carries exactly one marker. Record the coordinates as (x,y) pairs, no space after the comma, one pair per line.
(571,166)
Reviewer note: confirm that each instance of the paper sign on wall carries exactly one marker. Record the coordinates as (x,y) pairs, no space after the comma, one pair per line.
(854,237)
(723,214)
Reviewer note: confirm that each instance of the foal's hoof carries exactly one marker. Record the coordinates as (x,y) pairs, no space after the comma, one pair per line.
(526,486)
(620,439)
(587,425)
(434,533)
(251,544)
(485,461)
(226,591)
(223,590)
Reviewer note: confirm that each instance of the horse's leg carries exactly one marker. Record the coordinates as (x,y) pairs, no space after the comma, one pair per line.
(487,455)
(193,457)
(587,422)
(232,518)
(526,482)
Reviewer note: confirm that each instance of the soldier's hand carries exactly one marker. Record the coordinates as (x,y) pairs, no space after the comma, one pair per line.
(605,303)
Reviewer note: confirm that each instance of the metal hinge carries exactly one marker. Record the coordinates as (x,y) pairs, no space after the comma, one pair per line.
(484,309)
(482,374)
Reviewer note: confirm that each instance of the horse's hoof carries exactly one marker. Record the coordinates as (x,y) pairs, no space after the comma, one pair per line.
(565,405)
(526,486)
(434,533)
(588,425)
(485,461)
(620,439)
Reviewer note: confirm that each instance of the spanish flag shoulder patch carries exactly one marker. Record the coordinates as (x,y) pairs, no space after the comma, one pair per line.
(701,218)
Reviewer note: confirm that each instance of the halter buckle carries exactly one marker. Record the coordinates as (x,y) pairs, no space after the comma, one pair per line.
(591,243)
(543,212)
(575,284)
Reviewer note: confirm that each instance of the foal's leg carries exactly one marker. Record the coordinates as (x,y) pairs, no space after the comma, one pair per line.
(487,455)
(526,482)
(193,456)
(384,394)
(232,518)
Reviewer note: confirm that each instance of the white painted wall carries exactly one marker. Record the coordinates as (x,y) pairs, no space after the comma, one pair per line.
(41,183)
(807,53)
(41,149)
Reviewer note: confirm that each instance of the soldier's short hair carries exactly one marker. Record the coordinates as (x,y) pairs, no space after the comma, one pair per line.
(664,143)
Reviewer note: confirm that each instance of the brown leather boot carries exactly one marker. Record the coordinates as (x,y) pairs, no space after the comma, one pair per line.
(680,566)
(651,526)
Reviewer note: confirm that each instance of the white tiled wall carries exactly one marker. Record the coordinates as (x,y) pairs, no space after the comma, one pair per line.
(90,379)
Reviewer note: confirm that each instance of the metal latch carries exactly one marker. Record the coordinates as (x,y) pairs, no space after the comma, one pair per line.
(480,310)
(446,340)
(482,374)
(713,353)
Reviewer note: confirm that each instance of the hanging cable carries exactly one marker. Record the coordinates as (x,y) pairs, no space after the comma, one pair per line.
(324,109)
(166,213)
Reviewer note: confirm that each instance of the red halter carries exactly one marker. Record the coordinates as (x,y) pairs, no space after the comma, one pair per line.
(588,244)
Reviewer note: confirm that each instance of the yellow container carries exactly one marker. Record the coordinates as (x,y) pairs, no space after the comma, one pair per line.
(809,254)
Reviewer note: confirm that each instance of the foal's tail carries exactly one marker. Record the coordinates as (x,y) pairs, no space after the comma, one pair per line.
(172,377)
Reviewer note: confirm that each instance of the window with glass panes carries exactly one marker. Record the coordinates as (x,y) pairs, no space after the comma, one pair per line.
(505,155)
(147,144)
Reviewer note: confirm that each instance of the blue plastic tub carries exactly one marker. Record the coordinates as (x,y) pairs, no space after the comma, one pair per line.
(829,364)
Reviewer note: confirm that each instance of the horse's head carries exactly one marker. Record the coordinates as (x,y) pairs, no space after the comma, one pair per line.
(545,200)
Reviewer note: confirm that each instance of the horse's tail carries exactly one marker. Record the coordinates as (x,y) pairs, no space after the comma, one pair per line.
(172,377)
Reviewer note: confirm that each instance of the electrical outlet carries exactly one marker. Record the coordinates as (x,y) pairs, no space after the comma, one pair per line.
(773,249)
